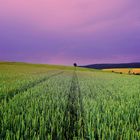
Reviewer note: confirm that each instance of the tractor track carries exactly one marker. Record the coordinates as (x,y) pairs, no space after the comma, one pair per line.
(9,95)
(74,123)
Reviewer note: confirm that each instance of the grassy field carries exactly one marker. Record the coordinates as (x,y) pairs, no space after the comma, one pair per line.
(124,70)
(43,102)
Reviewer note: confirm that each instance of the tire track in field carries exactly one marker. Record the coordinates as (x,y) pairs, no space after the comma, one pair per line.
(9,95)
(74,124)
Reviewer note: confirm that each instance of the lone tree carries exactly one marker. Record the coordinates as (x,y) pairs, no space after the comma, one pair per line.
(75,65)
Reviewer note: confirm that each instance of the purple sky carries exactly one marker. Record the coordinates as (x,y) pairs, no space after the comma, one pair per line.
(67,31)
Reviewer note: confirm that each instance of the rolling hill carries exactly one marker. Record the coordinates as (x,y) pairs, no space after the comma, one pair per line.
(111,66)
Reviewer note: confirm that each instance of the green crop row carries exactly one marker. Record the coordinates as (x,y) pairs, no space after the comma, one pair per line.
(36,113)
(93,106)
(112,105)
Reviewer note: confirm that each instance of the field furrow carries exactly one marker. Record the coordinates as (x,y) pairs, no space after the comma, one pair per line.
(74,125)
(10,94)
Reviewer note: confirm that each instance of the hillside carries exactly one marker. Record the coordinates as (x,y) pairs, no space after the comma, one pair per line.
(26,66)
(111,66)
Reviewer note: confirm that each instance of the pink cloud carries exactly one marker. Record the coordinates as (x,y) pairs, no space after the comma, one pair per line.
(56,29)
(59,15)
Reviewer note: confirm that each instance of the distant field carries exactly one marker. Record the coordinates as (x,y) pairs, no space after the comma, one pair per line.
(45,102)
(133,71)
